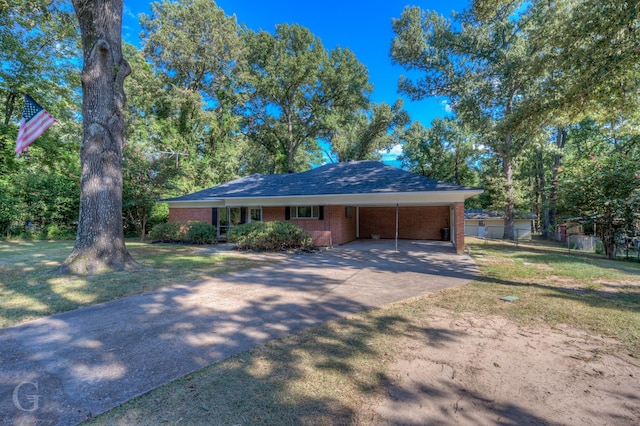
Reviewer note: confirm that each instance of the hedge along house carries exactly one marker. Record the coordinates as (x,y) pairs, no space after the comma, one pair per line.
(336,203)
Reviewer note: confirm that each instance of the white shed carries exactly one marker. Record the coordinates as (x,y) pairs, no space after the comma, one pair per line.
(487,224)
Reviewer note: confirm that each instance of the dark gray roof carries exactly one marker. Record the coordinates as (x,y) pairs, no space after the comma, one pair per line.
(355,177)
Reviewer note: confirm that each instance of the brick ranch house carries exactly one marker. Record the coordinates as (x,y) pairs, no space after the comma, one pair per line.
(336,203)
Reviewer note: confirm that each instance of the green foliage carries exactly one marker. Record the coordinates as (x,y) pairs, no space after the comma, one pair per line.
(297,92)
(195,43)
(512,70)
(269,236)
(145,180)
(587,59)
(170,232)
(603,189)
(363,134)
(201,233)
(443,152)
(38,51)
(187,94)
(481,68)
(193,232)
(55,232)
(40,186)
(159,214)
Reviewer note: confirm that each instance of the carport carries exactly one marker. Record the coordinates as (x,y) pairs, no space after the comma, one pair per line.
(405,222)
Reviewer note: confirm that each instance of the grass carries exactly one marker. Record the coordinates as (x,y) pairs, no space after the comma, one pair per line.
(333,374)
(30,288)
(587,292)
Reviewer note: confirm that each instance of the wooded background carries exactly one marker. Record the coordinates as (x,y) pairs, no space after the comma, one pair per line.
(544,98)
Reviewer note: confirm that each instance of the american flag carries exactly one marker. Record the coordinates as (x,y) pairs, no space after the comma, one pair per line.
(35,120)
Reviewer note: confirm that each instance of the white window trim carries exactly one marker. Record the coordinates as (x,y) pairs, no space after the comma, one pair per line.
(315,213)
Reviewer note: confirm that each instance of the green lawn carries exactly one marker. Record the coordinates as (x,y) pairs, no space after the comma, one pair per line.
(333,373)
(30,288)
(554,287)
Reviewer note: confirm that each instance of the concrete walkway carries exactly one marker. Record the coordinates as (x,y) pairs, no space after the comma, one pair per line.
(68,367)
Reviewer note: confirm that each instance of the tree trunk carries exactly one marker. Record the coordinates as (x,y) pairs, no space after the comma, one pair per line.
(100,239)
(561,138)
(607,234)
(456,168)
(143,231)
(9,107)
(507,170)
(543,209)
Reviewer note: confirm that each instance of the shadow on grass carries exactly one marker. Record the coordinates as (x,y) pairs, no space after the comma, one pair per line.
(625,300)
(30,287)
(554,252)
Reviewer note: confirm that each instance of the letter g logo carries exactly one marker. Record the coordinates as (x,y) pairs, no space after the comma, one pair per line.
(34,399)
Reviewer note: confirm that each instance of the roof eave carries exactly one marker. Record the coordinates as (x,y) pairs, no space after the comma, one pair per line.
(378,198)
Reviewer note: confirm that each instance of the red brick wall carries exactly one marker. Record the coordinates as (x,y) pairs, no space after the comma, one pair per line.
(203,214)
(348,224)
(417,223)
(335,228)
(459,228)
(270,214)
(343,228)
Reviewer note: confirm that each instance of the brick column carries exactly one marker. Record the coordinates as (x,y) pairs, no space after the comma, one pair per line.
(458,238)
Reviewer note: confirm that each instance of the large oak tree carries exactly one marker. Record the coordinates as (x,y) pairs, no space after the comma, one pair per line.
(481,67)
(100,238)
(298,92)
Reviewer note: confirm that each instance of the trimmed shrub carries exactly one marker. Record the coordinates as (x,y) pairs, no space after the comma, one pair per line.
(170,232)
(54,232)
(193,232)
(201,233)
(269,236)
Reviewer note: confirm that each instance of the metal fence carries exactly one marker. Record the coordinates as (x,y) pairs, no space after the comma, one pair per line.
(625,248)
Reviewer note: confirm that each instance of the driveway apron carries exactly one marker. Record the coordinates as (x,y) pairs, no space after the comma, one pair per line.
(69,367)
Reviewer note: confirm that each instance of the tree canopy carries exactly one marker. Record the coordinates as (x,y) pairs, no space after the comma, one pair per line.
(298,91)
(520,75)
(536,89)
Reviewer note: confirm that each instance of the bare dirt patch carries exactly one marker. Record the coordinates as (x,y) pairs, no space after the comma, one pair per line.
(486,370)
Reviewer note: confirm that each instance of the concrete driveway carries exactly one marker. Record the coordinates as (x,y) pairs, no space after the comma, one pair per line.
(71,366)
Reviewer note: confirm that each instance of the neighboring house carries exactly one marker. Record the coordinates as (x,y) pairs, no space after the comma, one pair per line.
(336,203)
(486,224)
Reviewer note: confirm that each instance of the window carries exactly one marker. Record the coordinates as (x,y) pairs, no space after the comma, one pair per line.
(348,211)
(255,214)
(305,212)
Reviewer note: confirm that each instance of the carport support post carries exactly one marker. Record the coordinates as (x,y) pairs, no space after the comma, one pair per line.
(396,227)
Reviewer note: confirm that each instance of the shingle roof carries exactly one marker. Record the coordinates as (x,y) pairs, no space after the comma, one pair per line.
(356,177)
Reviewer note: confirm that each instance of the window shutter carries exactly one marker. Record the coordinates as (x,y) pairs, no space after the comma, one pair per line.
(321,213)
(214,216)
(287,213)
(243,214)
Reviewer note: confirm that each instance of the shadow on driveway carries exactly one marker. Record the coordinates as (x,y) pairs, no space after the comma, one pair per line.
(68,367)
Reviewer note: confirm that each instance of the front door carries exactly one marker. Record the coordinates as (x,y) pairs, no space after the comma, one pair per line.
(228,218)
(481,229)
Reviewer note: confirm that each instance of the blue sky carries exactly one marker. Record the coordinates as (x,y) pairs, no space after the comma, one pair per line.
(362,26)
